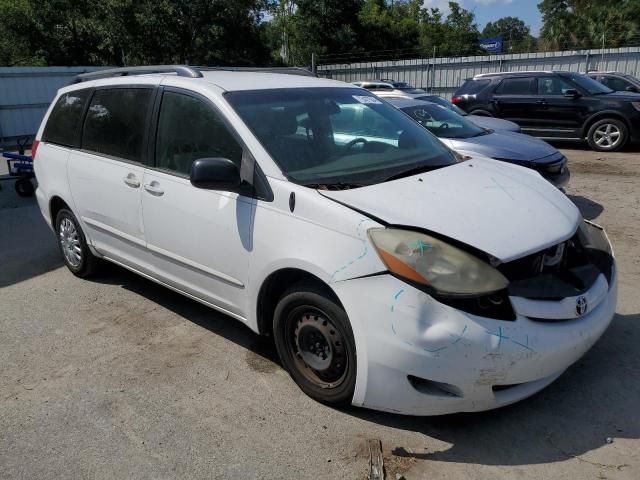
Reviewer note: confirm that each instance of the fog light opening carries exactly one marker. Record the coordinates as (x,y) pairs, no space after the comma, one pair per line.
(431,387)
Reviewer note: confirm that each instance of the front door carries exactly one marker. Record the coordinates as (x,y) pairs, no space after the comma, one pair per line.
(555,114)
(200,239)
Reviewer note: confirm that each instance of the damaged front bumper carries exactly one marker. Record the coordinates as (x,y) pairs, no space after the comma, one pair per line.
(418,356)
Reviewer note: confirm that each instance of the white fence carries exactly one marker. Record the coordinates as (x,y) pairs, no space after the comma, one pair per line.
(444,75)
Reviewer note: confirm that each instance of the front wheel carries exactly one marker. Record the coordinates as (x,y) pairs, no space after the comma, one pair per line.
(315,343)
(73,245)
(607,135)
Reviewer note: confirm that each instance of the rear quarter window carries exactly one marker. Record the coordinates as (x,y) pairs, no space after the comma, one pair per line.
(472,86)
(63,124)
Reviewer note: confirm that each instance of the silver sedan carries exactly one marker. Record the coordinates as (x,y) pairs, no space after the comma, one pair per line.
(465,137)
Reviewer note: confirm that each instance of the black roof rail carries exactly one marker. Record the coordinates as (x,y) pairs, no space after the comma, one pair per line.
(180,70)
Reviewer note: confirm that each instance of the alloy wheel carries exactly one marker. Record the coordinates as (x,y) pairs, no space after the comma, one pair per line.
(607,135)
(70,242)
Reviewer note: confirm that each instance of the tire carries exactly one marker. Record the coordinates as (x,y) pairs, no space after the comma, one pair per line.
(24,187)
(608,135)
(315,343)
(73,245)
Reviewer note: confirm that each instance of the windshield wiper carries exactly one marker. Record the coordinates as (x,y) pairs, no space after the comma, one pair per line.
(333,185)
(415,171)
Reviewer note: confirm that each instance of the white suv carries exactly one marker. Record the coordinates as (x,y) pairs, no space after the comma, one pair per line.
(390,274)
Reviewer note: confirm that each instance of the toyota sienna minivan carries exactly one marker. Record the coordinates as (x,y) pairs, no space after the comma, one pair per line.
(390,274)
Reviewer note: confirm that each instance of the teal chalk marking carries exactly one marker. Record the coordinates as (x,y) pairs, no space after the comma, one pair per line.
(460,337)
(362,255)
(499,335)
(393,305)
(435,350)
(422,246)
(524,345)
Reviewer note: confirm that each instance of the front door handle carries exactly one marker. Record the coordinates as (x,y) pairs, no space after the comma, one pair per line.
(131,180)
(154,188)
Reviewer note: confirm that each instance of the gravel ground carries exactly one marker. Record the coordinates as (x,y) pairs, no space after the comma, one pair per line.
(120,378)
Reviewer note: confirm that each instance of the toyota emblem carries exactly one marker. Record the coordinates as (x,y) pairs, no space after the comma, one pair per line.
(581,305)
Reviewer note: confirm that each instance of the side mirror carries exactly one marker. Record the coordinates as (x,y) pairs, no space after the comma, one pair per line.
(633,89)
(571,93)
(215,174)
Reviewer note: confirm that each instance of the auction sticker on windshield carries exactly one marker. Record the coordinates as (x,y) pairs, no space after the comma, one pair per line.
(365,99)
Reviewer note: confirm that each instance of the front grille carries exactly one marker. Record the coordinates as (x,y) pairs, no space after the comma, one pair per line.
(565,270)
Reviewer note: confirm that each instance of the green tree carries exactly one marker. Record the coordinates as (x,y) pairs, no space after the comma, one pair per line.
(516,34)
(116,32)
(588,23)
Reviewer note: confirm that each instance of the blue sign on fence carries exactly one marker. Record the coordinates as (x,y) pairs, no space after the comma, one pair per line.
(493,45)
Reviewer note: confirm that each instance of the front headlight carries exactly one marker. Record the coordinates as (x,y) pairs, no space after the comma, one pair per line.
(593,236)
(429,261)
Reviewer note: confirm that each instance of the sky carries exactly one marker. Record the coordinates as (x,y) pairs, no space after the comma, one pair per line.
(491,10)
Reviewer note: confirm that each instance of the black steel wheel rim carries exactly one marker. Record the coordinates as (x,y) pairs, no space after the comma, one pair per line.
(317,347)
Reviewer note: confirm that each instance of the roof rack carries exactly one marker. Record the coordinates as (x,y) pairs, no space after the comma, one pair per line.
(184,71)
(180,70)
(284,70)
(481,75)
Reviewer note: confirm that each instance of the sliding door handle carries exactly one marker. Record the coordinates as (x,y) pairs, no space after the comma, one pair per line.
(154,188)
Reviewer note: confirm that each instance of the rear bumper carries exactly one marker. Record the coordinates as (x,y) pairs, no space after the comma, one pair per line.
(417,356)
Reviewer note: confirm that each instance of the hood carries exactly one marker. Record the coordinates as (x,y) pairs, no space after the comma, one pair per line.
(504,210)
(629,96)
(494,123)
(505,146)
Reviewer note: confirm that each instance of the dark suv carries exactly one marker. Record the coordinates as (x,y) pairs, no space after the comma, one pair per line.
(620,82)
(555,105)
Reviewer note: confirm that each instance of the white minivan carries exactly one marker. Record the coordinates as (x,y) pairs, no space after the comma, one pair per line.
(390,273)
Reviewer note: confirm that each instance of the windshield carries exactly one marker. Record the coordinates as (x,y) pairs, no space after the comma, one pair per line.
(442,102)
(589,84)
(337,135)
(443,122)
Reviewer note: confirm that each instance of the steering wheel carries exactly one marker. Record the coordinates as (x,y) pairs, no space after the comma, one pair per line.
(444,125)
(355,141)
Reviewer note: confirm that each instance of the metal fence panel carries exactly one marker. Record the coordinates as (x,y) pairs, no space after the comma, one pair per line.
(25,95)
(443,75)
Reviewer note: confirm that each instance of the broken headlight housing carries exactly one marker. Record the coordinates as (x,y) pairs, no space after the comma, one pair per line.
(592,236)
(437,265)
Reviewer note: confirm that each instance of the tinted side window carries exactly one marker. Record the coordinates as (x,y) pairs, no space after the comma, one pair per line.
(64,121)
(515,86)
(472,86)
(189,129)
(553,86)
(116,122)
(616,84)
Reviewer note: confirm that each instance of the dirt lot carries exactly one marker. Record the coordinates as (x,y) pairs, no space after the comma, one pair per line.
(121,378)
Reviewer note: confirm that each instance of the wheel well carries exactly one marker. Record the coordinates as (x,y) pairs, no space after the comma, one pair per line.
(602,116)
(273,288)
(55,205)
